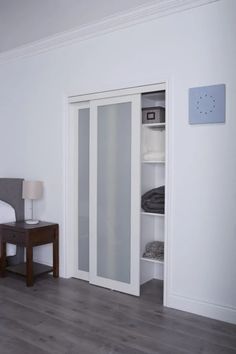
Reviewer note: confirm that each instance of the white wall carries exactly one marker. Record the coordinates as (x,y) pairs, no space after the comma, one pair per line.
(190,49)
(35,19)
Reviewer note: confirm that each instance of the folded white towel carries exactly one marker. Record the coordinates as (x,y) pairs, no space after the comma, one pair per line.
(154,156)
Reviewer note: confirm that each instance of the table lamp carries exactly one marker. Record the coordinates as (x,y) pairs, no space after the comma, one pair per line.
(32,190)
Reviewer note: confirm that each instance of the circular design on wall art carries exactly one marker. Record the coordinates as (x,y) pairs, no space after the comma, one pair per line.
(206,104)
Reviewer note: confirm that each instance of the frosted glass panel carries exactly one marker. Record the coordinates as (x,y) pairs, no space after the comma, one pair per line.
(114,192)
(84,189)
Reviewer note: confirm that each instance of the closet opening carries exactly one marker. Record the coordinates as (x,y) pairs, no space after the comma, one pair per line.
(116,189)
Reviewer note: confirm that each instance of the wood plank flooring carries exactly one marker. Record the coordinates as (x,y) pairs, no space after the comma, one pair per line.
(72,317)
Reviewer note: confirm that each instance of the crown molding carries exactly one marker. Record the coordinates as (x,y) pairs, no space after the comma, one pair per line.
(152,11)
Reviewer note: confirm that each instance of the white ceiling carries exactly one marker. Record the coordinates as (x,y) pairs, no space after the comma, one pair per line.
(25,21)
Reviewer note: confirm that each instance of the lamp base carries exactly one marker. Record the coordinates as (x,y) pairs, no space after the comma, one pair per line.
(32,222)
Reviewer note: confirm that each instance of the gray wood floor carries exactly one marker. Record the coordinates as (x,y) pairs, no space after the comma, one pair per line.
(73,317)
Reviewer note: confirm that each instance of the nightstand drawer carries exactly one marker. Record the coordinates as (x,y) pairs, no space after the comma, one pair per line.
(11,236)
(43,236)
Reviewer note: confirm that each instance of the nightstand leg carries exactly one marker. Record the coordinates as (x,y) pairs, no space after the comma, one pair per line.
(29,266)
(56,256)
(3,259)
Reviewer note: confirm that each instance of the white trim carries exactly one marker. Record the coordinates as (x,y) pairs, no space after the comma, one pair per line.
(39,260)
(215,311)
(71,181)
(140,14)
(118,92)
(168,190)
(170,178)
(80,274)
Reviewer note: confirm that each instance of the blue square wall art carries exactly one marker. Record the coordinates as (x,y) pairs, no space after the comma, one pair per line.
(207,104)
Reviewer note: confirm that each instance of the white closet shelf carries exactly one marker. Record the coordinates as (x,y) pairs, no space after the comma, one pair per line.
(152,260)
(154,125)
(153,162)
(151,214)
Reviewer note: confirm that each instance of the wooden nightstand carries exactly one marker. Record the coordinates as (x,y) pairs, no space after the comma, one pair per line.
(29,236)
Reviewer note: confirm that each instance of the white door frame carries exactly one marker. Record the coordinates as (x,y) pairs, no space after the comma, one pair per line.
(71,156)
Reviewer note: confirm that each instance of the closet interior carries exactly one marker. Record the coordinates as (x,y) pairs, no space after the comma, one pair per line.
(153,158)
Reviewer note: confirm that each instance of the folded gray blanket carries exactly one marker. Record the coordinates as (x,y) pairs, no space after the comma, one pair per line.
(153,201)
(154,250)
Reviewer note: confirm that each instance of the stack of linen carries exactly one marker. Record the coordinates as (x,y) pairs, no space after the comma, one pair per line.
(153,201)
(154,156)
(154,250)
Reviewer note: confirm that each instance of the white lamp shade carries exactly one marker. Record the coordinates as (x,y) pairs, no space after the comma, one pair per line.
(32,189)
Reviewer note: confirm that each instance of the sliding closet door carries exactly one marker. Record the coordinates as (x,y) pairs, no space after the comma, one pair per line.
(115,193)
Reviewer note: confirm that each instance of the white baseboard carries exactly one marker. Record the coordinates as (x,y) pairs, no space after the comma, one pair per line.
(39,260)
(217,312)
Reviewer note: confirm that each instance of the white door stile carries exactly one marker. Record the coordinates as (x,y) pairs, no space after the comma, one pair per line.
(135,193)
(77,273)
(72,182)
(133,287)
(93,193)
